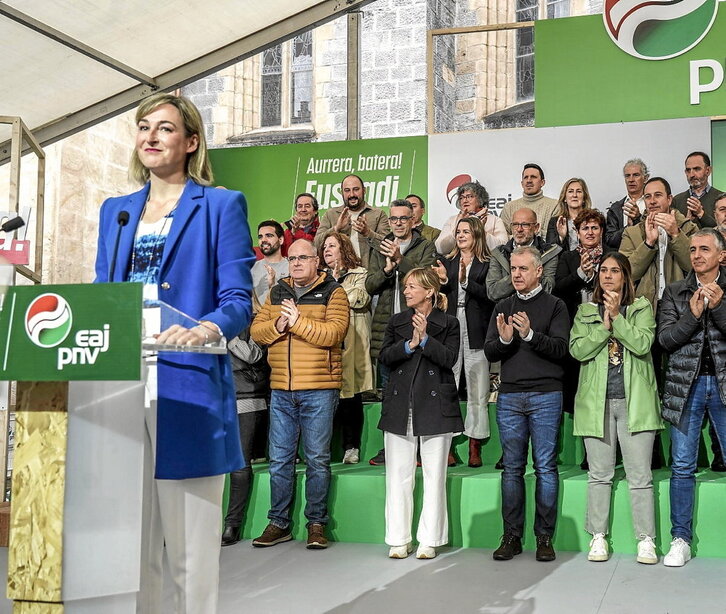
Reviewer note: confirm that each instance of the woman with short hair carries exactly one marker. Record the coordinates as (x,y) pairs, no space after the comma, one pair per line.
(420,411)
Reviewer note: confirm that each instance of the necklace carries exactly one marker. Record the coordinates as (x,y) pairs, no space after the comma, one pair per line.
(157,246)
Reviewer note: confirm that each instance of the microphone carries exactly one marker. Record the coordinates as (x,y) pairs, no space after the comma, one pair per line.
(13,224)
(122,220)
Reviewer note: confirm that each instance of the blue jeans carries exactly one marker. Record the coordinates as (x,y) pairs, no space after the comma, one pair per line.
(704,397)
(294,413)
(521,416)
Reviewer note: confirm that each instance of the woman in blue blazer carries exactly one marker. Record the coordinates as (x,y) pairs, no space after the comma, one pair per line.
(189,244)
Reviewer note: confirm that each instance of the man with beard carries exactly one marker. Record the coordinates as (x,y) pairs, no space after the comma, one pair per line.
(719,213)
(697,202)
(364,225)
(273,266)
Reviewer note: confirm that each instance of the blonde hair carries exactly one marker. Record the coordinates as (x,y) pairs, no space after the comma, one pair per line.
(586,200)
(428,279)
(198,167)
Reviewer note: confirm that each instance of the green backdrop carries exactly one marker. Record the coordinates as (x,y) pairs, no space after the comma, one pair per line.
(584,78)
(271,176)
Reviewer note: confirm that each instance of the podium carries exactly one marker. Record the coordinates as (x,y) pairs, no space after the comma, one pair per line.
(76,353)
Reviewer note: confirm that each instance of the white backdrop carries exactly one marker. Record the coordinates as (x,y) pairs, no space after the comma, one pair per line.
(595,153)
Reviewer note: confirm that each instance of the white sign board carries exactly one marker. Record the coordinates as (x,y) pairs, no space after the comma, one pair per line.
(596,153)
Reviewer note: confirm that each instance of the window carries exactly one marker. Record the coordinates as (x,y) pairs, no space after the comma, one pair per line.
(527,10)
(272,86)
(287,82)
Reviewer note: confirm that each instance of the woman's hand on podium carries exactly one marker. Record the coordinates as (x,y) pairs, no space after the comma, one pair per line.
(179,335)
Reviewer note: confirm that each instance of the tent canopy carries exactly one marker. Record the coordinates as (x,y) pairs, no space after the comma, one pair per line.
(69,64)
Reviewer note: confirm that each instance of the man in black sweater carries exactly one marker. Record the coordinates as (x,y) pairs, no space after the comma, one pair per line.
(529,332)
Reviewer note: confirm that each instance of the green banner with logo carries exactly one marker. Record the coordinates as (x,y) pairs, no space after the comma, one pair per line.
(271,176)
(637,61)
(71,332)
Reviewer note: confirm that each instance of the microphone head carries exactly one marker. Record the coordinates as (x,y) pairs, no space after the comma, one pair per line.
(123,218)
(12,224)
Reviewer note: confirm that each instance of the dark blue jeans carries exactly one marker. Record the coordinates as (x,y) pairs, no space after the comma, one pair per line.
(704,397)
(522,416)
(306,413)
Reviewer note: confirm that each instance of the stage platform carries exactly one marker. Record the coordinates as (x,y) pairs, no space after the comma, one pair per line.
(357,498)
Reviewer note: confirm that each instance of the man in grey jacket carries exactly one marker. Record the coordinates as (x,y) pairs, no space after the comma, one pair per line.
(692,329)
(524,233)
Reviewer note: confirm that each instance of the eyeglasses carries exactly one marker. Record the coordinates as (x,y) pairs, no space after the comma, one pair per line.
(302,259)
(467,197)
(400,218)
(524,225)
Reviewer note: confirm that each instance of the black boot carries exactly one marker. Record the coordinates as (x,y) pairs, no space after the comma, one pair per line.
(230,535)
(239,490)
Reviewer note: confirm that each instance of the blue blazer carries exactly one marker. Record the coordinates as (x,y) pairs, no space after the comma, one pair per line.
(205,272)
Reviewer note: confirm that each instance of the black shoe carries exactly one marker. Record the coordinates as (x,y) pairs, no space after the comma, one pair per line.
(378,459)
(230,535)
(500,463)
(545,551)
(718,465)
(510,547)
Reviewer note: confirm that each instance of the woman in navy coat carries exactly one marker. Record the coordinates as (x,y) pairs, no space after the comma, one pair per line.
(420,410)
(189,244)
(463,274)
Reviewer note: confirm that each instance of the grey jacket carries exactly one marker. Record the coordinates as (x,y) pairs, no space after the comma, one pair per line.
(682,336)
(499,277)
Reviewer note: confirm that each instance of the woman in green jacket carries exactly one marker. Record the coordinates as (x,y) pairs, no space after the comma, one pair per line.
(617,401)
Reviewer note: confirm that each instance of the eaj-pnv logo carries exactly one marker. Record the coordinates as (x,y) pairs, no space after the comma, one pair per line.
(48,320)
(658,30)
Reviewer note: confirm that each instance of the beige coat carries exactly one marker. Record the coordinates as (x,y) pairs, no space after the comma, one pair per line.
(377,223)
(644,261)
(357,368)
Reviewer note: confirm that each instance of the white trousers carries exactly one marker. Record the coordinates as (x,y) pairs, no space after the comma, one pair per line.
(433,525)
(476,369)
(187,516)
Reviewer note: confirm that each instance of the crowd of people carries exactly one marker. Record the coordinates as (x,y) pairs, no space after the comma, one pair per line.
(554,305)
(618,318)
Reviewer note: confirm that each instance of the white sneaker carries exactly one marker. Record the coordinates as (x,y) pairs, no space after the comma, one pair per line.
(425,552)
(679,554)
(598,548)
(351,456)
(400,552)
(646,551)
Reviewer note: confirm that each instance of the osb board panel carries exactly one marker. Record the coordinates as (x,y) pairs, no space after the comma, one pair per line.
(36,524)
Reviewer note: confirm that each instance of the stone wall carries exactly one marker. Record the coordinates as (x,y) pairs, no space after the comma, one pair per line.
(81,172)
(442,14)
(393,68)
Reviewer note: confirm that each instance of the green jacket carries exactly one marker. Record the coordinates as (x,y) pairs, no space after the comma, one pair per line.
(589,345)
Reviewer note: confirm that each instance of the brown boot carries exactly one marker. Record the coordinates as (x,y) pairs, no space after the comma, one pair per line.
(474,452)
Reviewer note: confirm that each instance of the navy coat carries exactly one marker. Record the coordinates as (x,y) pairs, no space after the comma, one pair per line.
(205,273)
(477,305)
(424,380)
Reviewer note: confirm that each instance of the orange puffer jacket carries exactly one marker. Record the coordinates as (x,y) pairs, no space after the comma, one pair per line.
(307,356)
